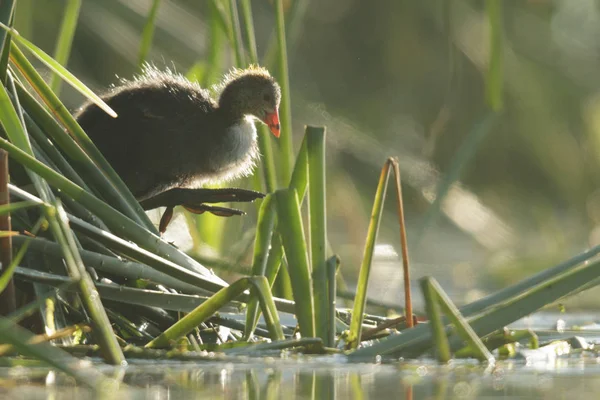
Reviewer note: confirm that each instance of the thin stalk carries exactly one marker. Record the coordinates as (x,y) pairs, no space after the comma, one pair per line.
(238,45)
(408,311)
(358,310)
(65,40)
(7,9)
(264,137)
(8,302)
(287,144)
(318,227)
(332,266)
(148,34)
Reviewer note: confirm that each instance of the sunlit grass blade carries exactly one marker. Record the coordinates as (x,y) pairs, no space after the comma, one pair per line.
(218,300)
(65,40)
(148,33)
(292,235)
(59,70)
(318,227)
(262,244)
(286,139)
(494,77)
(59,359)
(6,14)
(112,185)
(365,267)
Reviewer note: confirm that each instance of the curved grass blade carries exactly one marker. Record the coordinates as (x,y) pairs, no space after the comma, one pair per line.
(59,70)
(148,34)
(318,227)
(65,40)
(292,236)
(218,300)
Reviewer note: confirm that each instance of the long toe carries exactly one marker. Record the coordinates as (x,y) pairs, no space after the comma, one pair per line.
(219,211)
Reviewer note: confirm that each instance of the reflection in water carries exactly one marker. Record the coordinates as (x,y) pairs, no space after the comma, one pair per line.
(318,378)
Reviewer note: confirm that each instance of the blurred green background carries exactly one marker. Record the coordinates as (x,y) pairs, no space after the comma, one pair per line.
(405,79)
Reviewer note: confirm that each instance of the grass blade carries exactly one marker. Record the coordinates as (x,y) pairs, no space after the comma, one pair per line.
(292,236)
(65,40)
(318,227)
(287,144)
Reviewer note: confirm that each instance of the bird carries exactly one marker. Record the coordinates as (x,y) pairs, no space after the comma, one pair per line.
(171,137)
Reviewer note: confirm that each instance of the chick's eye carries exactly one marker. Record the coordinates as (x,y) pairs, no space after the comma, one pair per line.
(267,97)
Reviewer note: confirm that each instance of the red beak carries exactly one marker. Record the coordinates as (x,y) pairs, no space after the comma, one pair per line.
(272,121)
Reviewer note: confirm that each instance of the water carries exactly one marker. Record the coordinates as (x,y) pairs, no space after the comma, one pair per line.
(573,378)
(542,374)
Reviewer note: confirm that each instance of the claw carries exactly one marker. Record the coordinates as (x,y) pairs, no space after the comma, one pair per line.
(165,220)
